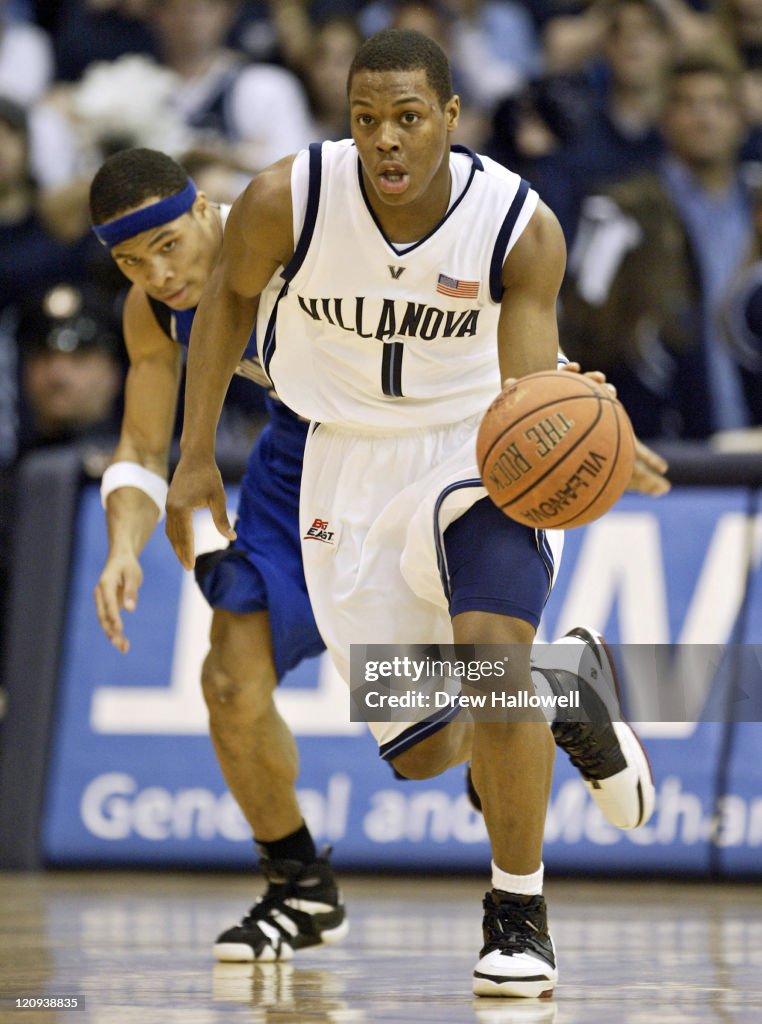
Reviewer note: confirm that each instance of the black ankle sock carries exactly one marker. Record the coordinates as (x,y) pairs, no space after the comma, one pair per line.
(297,846)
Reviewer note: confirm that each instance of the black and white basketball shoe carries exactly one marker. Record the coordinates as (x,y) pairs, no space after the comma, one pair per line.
(301,907)
(517,958)
(600,743)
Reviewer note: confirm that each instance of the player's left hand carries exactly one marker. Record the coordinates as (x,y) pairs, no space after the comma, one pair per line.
(597,375)
(648,473)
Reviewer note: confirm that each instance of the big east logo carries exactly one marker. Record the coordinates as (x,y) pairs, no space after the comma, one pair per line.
(319,531)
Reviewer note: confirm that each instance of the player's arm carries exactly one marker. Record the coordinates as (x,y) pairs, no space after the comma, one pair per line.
(140,461)
(532,275)
(258,240)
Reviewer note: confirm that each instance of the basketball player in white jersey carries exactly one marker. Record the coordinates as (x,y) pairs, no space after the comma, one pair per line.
(395,284)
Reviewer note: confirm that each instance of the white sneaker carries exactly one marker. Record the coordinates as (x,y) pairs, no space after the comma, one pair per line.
(518,958)
(603,747)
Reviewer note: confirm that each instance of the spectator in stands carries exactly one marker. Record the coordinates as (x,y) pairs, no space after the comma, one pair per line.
(254,113)
(71,369)
(26,59)
(33,251)
(221,179)
(621,133)
(324,71)
(752,101)
(85,31)
(741,21)
(532,131)
(653,260)
(573,37)
(492,44)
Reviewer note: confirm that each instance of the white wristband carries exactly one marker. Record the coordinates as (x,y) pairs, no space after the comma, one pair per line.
(131,474)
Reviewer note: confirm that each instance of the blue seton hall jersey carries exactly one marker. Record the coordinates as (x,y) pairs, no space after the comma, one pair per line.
(364,332)
(288,429)
(262,569)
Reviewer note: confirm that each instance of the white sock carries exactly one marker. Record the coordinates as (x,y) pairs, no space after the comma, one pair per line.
(522,885)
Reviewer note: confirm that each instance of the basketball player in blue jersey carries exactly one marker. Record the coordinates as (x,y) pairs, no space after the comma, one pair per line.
(165,236)
(395,284)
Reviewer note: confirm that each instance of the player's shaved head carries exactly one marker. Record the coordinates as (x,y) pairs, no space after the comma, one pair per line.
(405,50)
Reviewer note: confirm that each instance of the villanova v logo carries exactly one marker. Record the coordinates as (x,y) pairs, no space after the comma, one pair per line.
(396,272)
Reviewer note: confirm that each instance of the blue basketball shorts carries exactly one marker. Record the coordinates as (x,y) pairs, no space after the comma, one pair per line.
(262,569)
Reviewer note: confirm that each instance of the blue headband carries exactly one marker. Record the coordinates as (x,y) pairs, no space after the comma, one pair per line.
(161,212)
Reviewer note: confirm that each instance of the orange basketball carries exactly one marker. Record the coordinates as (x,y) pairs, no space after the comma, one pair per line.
(555,450)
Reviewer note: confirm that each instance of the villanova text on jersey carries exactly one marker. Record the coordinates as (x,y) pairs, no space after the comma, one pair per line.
(392,318)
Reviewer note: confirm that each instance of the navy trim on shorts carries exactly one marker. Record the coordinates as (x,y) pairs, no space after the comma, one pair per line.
(503,238)
(484,587)
(415,733)
(546,554)
(310,214)
(439,535)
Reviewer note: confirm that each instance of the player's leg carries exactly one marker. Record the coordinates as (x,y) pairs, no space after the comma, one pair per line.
(512,764)
(600,743)
(512,767)
(497,589)
(259,760)
(511,761)
(255,749)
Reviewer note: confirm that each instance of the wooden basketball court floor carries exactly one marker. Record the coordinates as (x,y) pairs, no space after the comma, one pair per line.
(137,947)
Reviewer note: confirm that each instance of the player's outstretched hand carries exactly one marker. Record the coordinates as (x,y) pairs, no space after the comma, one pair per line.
(196,484)
(649,472)
(117,589)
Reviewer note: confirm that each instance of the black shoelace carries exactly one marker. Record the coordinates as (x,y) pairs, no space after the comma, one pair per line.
(583,745)
(514,927)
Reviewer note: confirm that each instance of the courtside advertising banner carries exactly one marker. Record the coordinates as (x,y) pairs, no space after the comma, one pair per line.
(133,780)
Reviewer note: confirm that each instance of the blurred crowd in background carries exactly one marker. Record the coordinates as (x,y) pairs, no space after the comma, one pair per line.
(638,121)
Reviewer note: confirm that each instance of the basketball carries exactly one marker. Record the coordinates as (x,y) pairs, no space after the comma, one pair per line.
(555,450)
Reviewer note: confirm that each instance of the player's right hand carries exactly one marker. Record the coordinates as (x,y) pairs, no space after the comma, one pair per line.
(196,484)
(117,589)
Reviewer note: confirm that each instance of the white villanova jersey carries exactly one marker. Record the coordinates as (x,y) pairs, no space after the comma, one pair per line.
(359,331)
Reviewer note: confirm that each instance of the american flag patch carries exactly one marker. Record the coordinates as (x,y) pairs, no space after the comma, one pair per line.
(459,289)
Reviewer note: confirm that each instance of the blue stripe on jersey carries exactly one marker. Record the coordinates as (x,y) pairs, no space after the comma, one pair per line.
(415,733)
(310,214)
(391,369)
(458,148)
(503,237)
(268,345)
